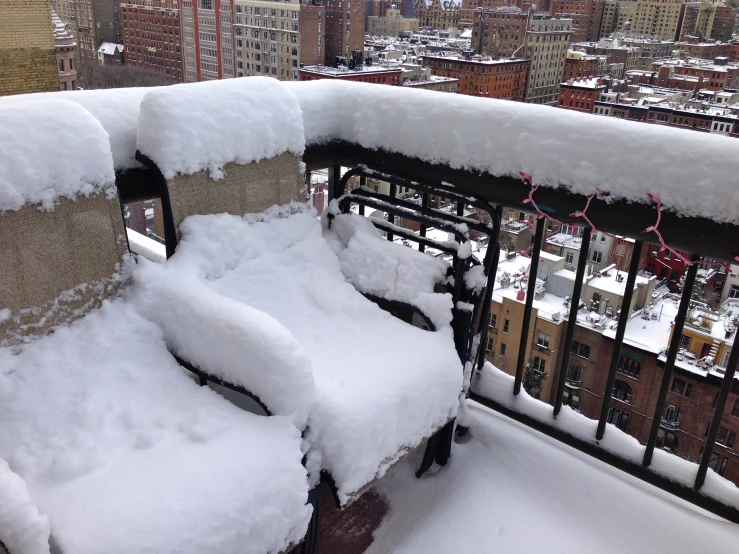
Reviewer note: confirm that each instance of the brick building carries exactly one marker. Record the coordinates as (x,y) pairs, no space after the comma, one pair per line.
(312,49)
(151,35)
(703,50)
(693,74)
(546,47)
(27,53)
(580,94)
(438,14)
(489,78)
(344,34)
(207,39)
(586,17)
(362,73)
(581,66)
(98,21)
(499,32)
(66,49)
(469,7)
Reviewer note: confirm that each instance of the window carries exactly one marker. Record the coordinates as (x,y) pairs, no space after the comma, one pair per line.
(574,373)
(502,349)
(734,292)
(685,341)
(622,391)
(543,340)
(735,409)
(597,256)
(569,257)
(538,364)
(493,320)
(722,469)
(671,414)
(505,325)
(571,397)
(582,350)
(679,386)
(629,367)
(61,65)
(725,437)
(490,344)
(666,439)
(619,419)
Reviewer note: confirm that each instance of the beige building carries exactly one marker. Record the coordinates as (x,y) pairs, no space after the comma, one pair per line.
(66,48)
(27,53)
(208,54)
(438,14)
(609,19)
(649,18)
(267,36)
(391,25)
(546,48)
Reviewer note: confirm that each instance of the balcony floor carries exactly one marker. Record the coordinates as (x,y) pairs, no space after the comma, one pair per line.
(511,489)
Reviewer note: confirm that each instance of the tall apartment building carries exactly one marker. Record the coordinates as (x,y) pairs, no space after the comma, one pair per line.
(345,24)
(609,18)
(268,38)
(499,32)
(438,14)
(65,11)
(391,24)
(586,15)
(650,18)
(208,36)
(27,53)
(708,20)
(98,21)
(151,35)
(546,47)
(504,79)
(312,49)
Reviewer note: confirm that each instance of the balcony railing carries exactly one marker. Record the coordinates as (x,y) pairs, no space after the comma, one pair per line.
(699,232)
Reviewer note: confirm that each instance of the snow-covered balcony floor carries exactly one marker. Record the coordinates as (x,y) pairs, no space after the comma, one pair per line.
(511,489)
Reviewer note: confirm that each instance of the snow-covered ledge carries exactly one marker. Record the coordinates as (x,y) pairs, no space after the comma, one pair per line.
(583,153)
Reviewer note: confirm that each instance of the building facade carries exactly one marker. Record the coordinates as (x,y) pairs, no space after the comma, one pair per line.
(345,26)
(580,94)
(312,49)
(438,14)
(66,50)
(363,73)
(151,36)
(98,21)
(268,38)
(649,18)
(27,53)
(391,24)
(546,47)
(207,38)
(485,77)
(499,32)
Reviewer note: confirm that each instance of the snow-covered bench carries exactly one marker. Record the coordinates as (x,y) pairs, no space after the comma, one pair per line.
(105,444)
(382,386)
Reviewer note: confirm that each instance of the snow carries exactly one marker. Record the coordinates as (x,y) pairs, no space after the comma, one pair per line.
(493,383)
(387,270)
(652,335)
(22,529)
(555,147)
(513,490)
(381,385)
(198,126)
(146,247)
(117,110)
(43,157)
(122,451)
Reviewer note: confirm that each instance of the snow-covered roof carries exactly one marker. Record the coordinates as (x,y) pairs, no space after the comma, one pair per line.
(234,120)
(51,149)
(110,48)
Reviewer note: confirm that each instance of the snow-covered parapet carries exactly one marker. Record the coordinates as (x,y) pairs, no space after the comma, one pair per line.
(49,150)
(692,173)
(117,110)
(204,126)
